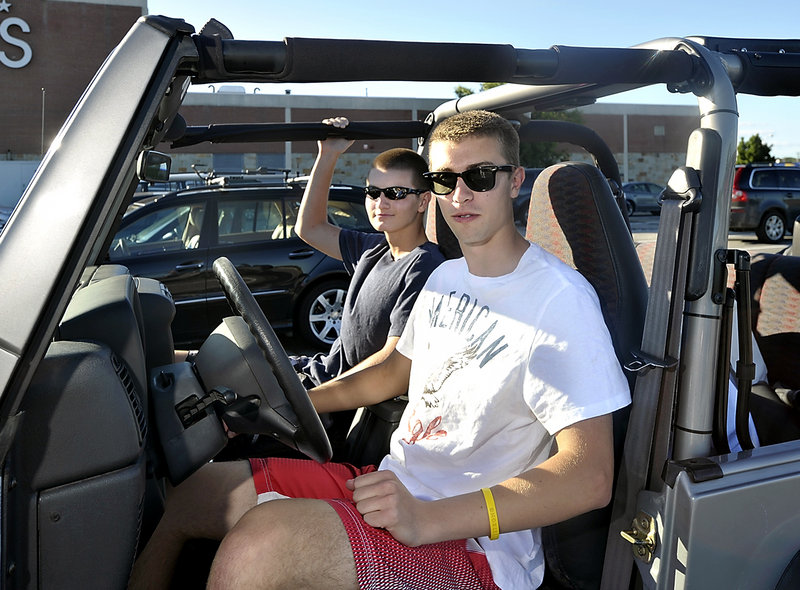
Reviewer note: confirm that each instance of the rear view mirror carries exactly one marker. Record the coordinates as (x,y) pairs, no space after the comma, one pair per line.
(153,166)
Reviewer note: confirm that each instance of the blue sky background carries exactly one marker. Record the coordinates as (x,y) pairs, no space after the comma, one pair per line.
(531,24)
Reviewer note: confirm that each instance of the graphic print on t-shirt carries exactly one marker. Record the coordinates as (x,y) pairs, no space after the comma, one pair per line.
(469,330)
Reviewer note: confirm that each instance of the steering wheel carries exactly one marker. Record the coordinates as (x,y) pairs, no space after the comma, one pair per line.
(292,415)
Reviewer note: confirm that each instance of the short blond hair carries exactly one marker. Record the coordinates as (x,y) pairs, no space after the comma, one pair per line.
(480,124)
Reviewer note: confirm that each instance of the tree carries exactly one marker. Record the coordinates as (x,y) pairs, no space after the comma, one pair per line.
(462,91)
(534,154)
(540,154)
(753,150)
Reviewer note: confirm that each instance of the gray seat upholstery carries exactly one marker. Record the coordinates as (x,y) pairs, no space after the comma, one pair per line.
(574,216)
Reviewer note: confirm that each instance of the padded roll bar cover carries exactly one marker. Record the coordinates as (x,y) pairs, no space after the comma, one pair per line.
(325,60)
(281,132)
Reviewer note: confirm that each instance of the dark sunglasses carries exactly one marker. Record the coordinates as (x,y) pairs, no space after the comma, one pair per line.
(480,179)
(394,193)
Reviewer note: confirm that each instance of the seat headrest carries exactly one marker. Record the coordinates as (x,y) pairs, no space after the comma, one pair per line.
(574,216)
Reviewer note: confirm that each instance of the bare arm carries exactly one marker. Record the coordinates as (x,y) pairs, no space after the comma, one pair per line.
(312,224)
(371,385)
(578,478)
(375,358)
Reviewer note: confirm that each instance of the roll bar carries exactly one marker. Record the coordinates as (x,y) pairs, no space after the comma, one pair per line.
(755,66)
(268,132)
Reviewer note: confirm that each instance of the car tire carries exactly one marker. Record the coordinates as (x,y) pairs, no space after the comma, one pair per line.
(630,207)
(772,227)
(320,311)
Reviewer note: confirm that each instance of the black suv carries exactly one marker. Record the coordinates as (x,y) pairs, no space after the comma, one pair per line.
(176,237)
(765,199)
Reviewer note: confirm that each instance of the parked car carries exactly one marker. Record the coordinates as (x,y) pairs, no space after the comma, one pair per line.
(95,415)
(176,237)
(766,198)
(642,197)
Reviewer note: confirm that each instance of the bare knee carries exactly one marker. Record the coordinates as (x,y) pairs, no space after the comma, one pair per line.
(211,501)
(250,553)
(285,543)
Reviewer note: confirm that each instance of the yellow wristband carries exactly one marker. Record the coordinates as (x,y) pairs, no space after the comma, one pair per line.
(492,510)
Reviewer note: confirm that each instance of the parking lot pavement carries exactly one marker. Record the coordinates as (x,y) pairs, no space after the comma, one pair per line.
(645,229)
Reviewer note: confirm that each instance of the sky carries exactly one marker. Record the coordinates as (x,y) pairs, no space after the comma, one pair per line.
(525,24)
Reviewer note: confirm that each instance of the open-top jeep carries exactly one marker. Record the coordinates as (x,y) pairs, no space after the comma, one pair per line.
(95,416)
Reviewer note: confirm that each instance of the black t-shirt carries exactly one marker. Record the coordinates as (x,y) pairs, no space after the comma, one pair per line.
(380,297)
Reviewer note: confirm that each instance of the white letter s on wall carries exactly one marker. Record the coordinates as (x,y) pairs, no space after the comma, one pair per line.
(27,53)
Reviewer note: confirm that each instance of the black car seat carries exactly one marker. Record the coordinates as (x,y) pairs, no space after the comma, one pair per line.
(574,215)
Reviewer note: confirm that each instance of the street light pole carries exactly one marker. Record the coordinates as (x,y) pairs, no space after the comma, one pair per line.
(42,147)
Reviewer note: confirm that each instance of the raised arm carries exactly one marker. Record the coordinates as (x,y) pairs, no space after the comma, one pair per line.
(372,385)
(576,479)
(312,223)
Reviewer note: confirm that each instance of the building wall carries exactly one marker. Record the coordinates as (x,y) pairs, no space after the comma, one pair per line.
(49,52)
(649,141)
(202,108)
(50,49)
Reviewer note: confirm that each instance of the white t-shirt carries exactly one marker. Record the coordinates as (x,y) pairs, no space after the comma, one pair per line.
(500,365)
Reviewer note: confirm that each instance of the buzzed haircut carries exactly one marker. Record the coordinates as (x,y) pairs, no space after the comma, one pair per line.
(404,159)
(480,124)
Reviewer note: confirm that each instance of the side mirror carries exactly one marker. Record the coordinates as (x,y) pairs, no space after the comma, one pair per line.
(153,166)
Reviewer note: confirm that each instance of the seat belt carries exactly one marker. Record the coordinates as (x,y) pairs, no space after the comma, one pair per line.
(649,425)
(745,368)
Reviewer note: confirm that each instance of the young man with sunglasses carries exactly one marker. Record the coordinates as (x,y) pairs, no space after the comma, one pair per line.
(388,269)
(511,378)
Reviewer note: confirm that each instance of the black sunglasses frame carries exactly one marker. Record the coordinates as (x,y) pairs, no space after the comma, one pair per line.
(393,193)
(444,183)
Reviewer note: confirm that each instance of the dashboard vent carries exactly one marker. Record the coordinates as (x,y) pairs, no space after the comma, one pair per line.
(133,397)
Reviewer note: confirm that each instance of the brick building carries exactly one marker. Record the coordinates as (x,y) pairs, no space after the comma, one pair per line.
(50,49)
(49,52)
(649,141)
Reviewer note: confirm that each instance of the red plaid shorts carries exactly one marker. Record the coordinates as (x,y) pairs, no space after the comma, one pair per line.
(382,562)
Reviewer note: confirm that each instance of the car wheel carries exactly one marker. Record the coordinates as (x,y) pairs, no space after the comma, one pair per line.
(772,228)
(630,207)
(319,316)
